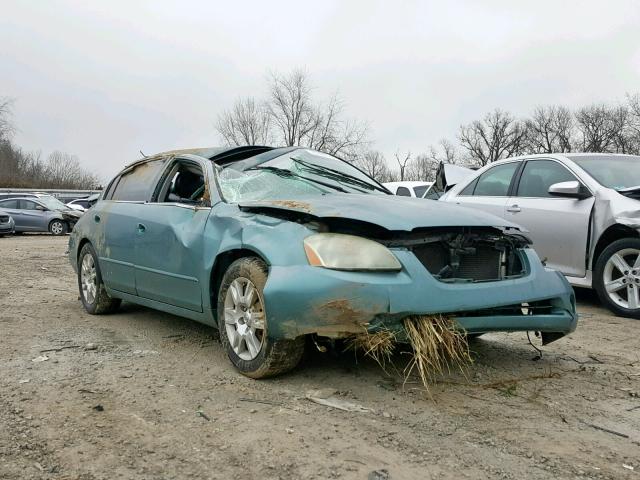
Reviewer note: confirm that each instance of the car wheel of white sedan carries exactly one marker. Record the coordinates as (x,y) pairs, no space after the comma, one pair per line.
(243,323)
(617,277)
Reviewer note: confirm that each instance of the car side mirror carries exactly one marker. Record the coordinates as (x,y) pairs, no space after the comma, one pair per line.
(41,208)
(572,189)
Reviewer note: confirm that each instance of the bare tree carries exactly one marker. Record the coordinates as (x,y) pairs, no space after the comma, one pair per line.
(290,117)
(373,163)
(290,107)
(403,161)
(6,126)
(64,171)
(449,152)
(600,128)
(421,168)
(498,135)
(247,123)
(549,130)
(332,134)
(633,126)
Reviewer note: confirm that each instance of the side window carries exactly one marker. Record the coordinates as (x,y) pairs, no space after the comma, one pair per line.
(184,183)
(403,192)
(420,191)
(495,181)
(539,175)
(468,190)
(136,185)
(29,205)
(108,192)
(9,204)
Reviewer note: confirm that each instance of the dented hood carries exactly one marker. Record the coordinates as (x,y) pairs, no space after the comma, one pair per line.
(388,211)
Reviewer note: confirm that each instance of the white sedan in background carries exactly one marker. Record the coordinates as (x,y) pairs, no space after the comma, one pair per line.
(582,212)
(409,189)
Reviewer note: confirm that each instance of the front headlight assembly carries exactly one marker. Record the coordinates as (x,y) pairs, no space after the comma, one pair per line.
(338,251)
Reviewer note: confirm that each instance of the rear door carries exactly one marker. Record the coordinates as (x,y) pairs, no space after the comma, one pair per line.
(490,191)
(116,224)
(11,207)
(558,226)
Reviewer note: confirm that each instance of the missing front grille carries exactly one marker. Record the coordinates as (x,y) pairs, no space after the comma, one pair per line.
(474,257)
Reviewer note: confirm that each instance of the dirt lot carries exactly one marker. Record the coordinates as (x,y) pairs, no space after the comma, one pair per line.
(143,394)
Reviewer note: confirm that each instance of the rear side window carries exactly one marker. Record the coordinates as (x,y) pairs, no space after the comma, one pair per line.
(9,204)
(495,181)
(421,190)
(539,175)
(135,185)
(403,192)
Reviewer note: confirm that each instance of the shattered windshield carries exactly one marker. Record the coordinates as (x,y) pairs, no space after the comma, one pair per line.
(298,172)
(52,203)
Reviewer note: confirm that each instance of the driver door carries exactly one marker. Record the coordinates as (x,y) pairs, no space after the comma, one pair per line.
(169,238)
(558,226)
(33,215)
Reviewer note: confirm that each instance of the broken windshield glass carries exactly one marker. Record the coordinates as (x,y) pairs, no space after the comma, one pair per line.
(301,172)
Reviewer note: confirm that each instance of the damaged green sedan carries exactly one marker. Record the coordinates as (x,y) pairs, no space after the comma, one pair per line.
(274,244)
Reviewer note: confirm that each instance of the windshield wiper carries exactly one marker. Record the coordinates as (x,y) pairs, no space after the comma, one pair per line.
(283,172)
(337,175)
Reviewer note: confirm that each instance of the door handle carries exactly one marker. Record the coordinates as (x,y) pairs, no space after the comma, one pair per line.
(96,218)
(514,209)
(141,228)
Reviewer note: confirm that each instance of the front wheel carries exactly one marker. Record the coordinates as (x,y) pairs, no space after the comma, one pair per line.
(617,277)
(93,293)
(57,227)
(243,323)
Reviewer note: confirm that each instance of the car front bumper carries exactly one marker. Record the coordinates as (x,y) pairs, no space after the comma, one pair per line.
(303,299)
(7,228)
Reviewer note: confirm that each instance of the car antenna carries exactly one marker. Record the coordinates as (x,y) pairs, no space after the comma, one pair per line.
(142,154)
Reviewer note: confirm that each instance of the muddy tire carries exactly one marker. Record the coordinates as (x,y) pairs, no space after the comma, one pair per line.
(93,293)
(57,227)
(243,323)
(617,279)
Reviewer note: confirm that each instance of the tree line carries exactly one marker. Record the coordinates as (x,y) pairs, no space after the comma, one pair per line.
(290,115)
(21,169)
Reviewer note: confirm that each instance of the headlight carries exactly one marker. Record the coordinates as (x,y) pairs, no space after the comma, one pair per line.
(348,252)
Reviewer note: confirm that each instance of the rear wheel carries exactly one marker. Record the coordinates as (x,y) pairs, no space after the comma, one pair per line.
(243,323)
(617,277)
(93,293)
(57,227)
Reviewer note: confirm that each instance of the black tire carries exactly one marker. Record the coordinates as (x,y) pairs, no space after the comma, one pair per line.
(57,227)
(599,271)
(102,303)
(275,356)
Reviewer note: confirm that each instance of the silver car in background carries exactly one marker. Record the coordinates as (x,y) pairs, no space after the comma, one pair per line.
(43,213)
(7,225)
(582,212)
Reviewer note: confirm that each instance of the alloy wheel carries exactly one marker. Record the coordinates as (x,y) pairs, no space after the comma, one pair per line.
(244,318)
(57,228)
(88,278)
(621,278)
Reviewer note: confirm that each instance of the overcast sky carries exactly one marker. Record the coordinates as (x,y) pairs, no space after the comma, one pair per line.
(103,80)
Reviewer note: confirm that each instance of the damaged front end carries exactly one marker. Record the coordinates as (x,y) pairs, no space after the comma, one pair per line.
(485,279)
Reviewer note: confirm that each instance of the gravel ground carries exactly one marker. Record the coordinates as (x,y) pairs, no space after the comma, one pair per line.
(147,395)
